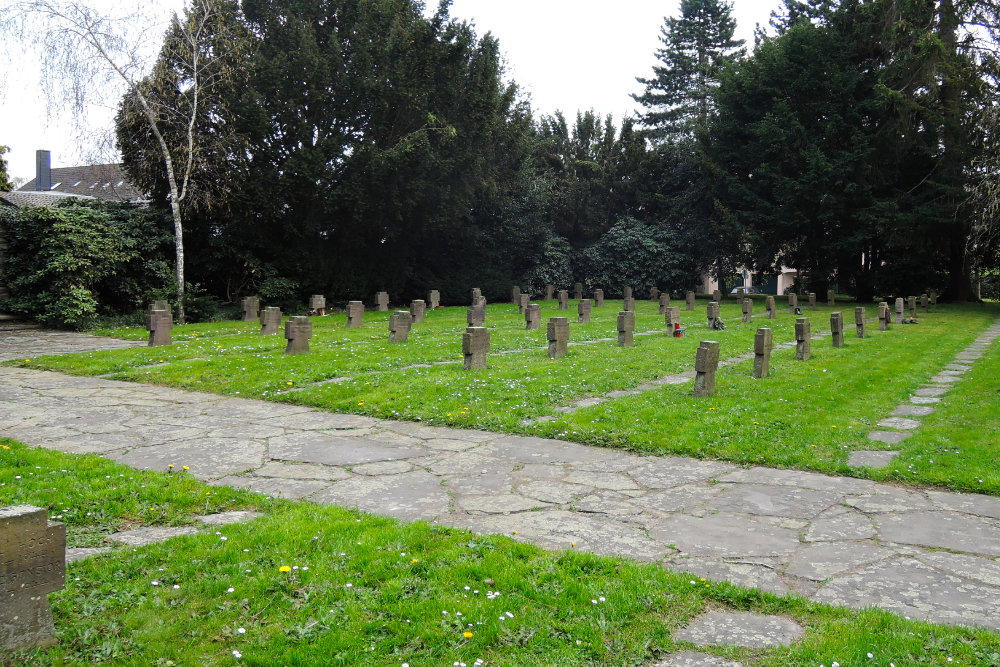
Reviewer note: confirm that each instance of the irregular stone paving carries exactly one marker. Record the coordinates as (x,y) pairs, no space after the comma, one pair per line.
(22,341)
(906,417)
(925,554)
(725,628)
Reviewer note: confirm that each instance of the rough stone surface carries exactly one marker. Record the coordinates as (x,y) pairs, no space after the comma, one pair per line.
(889,437)
(740,629)
(871,458)
(695,659)
(151,535)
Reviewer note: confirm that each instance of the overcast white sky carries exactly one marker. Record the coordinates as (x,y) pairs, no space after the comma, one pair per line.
(566,54)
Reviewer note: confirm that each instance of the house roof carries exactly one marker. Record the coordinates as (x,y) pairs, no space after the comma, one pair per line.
(101,181)
(35,198)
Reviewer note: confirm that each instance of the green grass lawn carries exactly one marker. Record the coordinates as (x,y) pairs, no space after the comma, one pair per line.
(361,590)
(805,415)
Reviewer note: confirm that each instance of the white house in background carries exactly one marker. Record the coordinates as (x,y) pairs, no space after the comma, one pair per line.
(774,285)
(92,181)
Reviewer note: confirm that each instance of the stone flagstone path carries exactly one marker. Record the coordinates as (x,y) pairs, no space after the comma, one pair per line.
(922,553)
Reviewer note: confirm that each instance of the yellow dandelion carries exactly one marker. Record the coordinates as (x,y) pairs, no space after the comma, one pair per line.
(467,635)
(27,361)
(289,383)
(284,568)
(186,468)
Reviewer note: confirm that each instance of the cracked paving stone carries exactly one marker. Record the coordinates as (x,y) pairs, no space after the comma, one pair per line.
(206,457)
(945,379)
(74,554)
(976,568)
(869,458)
(334,450)
(670,471)
(318,421)
(680,498)
(412,495)
(721,628)
(498,504)
(823,560)
(943,530)
(784,501)
(300,471)
(900,423)
(96,444)
(228,518)
(912,411)
(911,588)
(725,535)
(931,391)
(602,480)
(151,535)
(542,450)
(806,480)
(559,493)
(449,444)
(746,574)
(482,483)
(924,400)
(469,463)
(967,503)
(889,499)
(889,437)
(617,506)
(695,659)
(838,525)
(383,468)
(274,486)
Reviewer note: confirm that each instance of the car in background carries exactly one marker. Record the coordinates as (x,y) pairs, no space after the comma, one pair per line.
(752,289)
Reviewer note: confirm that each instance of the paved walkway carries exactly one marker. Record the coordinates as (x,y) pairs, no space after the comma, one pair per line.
(925,554)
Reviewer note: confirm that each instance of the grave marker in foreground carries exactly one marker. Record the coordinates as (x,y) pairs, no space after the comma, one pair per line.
(626,328)
(298,331)
(583,311)
(803,339)
(399,326)
(762,343)
(382,301)
(532,316)
(418,309)
(747,310)
(159,323)
(558,337)
(837,328)
(598,298)
(859,321)
(475,346)
(270,321)
(706,363)
(251,308)
(355,314)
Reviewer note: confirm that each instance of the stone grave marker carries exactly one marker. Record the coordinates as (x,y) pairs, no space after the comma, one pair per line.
(577,291)
(803,339)
(476,315)
(532,316)
(837,328)
(475,346)
(911,305)
(317,302)
(717,296)
(270,321)
(583,311)
(793,303)
(159,322)
(251,308)
(32,565)
(382,301)
(831,297)
(355,314)
(628,304)
(626,328)
(883,316)
(672,317)
(515,295)
(475,295)
(769,307)
(664,300)
(747,310)
(399,326)
(159,304)
(924,303)
(418,309)
(812,300)
(689,301)
(563,300)
(433,299)
(654,295)
(523,303)
(933,301)
(859,320)
(298,331)
(626,293)
(762,343)
(558,336)
(549,291)
(712,311)
(598,298)
(706,363)
(899,310)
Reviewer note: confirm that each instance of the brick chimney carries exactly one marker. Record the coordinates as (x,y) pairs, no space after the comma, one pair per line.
(43,170)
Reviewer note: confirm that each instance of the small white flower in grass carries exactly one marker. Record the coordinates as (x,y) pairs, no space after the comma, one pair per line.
(508,614)
(176,586)
(237,654)
(601,598)
(223,538)
(230,590)
(871,655)
(246,551)
(348,585)
(154,582)
(305,568)
(592,601)
(444,613)
(242,631)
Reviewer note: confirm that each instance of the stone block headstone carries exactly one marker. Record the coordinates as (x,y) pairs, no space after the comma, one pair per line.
(532,316)
(32,565)
(762,343)
(628,303)
(626,293)
(382,301)
(911,305)
(515,295)
(803,339)
(399,326)
(549,291)
(689,301)
(558,337)
(598,298)
(664,300)
(523,303)
(433,299)
(712,312)
(475,346)
(812,300)
(747,310)
(577,291)
(159,323)
(837,328)
(831,297)
(654,295)
(476,315)
(672,317)
(933,301)
(475,295)
(583,311)
(924,303)
(317,302)
(298,331)
(706,363)
(418,309)
(270,321)
(769,307)
(159,304)
(717,296)
(899,310)
(626,328)
(355,314)
(251,308)
(884,317)
(563,300)
(793,303)
(860,317)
